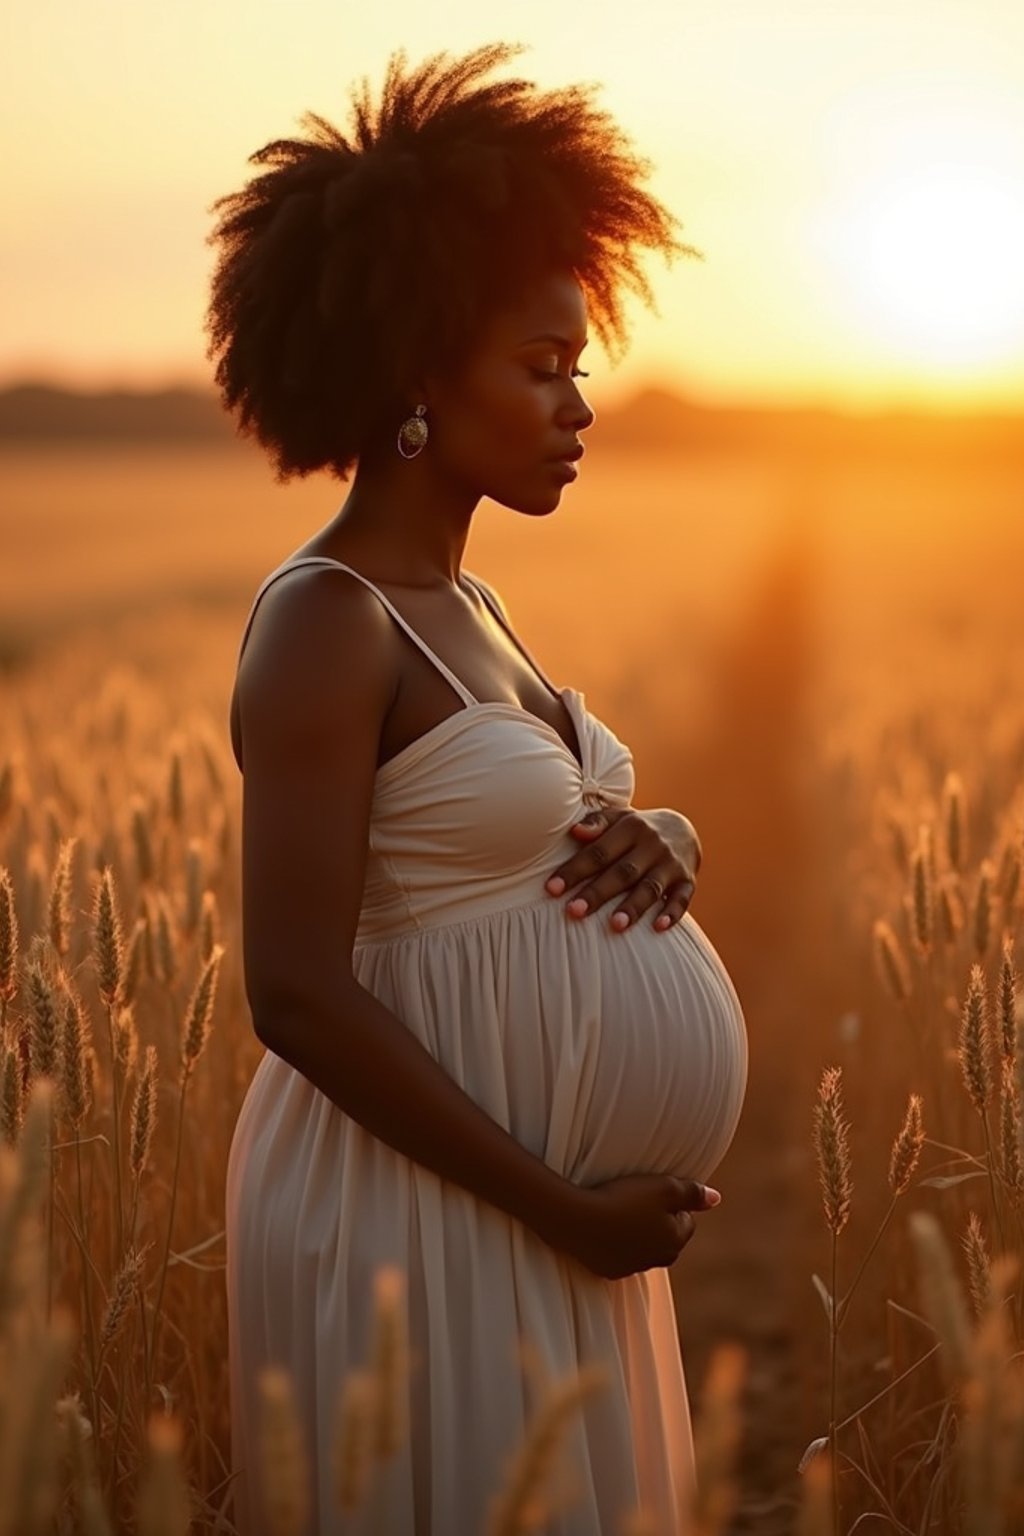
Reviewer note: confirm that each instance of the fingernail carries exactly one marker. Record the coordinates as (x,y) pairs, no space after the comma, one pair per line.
(713,1196)
(578,906)
(620,920)
(556,885)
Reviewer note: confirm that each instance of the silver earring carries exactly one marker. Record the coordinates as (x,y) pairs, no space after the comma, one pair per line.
(412,434)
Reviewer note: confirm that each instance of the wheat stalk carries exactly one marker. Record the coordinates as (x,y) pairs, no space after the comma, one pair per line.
(716,1439)
(283,1458)
(974,1042)
(390,1361)
(923,899)
(522,1501)
(892,965)
(906,1149)
(352,1447)
(953,792)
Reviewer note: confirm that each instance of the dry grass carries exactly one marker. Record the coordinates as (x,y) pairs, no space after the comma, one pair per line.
(877,868)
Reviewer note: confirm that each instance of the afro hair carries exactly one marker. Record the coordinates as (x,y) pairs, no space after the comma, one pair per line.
(353,263)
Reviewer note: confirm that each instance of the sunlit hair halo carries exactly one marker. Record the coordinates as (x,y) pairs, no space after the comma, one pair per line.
(353,263)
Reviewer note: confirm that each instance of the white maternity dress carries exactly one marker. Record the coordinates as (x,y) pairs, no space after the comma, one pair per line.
(604,1053)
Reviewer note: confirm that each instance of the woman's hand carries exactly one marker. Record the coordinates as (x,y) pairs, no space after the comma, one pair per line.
(640,1221)
(633,851)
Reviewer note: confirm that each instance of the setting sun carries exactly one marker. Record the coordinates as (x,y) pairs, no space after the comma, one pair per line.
(928,247)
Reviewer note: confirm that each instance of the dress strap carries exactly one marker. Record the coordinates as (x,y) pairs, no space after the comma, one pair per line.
(488,595)
(290,565)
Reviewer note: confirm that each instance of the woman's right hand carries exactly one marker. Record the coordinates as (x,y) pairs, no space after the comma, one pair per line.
(632,1223)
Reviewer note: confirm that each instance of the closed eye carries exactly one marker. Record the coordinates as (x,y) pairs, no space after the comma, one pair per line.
(542,373)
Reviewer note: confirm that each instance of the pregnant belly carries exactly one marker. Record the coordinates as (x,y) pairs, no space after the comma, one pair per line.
(603,1053)
(661,1066)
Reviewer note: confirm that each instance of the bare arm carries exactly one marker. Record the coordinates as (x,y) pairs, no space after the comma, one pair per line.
(315,683)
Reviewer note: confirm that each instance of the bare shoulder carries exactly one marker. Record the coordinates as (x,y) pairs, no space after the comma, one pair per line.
(318,635)
(315,683)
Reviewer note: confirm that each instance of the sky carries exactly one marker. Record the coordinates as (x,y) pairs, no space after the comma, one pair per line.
(852,171)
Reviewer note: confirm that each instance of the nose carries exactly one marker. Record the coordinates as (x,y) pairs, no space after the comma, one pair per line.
(580,415)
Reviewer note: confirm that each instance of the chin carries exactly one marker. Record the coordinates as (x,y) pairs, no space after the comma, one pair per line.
(535,503)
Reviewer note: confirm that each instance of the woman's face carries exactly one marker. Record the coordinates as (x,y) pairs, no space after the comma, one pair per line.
(501,428)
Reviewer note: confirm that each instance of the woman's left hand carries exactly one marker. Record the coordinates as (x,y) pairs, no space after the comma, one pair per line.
(655,855)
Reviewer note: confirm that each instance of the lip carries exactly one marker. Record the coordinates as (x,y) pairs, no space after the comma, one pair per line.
(568,470)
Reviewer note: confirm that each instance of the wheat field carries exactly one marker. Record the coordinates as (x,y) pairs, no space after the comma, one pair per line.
(822,666)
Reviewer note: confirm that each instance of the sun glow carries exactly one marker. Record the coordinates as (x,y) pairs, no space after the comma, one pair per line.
(930,251)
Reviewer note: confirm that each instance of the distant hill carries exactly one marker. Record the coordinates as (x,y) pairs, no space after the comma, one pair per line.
(654,418)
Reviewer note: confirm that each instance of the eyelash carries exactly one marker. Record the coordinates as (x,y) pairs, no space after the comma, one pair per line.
(542,373)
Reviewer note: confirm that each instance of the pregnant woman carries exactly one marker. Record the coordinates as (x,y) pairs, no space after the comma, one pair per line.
(512,1100)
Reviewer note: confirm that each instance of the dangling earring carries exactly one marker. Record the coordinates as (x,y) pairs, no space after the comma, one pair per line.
(412,434)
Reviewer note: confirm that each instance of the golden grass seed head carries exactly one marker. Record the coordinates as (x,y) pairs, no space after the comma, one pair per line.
(906,1149)
(126,1041)
(981,924)
(106,938)
(523,1501)
(163,1506)
(951,911)
(892,964)
(716,1439)
(283,1460)
(974,1041)
(221,832)
(1008,1023)
(195,880)
(71,1409)
(142,842)
(127,1283)
(953,794)
(352,1445)
(33,1149)
(143,1113)
(8,938)
(210,759)
(390,1361)
(54,825)
(12,1095)
(77,1434)
(815,1517)
(166,942)
(1008,883)
(941,1294)
(831,1143)
(899,844)
(1010,1128)
(133,962)
(209,925)
(175,788)
(59,907)
(923,901)
(199,1014)
(148,939)
(42,988)
(75,1077)
(31,1438)
(993,1403)
(6,788)
(36,883)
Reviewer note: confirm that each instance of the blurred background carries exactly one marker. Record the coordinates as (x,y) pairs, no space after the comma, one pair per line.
(788,576)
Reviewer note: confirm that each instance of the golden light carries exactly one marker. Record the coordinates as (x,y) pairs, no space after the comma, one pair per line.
(929,251)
